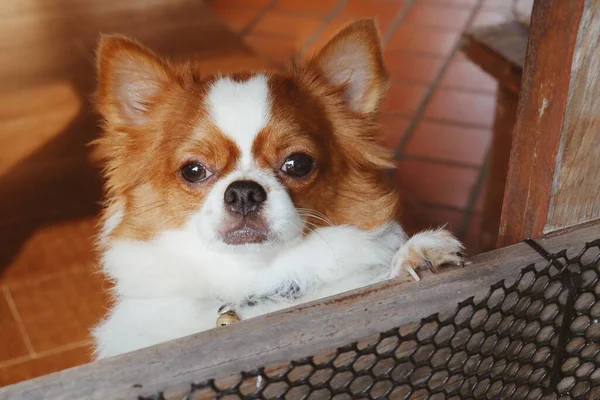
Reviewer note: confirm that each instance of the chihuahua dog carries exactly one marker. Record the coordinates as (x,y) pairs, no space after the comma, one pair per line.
(245,193)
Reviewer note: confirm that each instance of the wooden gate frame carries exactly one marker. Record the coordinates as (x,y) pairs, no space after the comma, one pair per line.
(553,179)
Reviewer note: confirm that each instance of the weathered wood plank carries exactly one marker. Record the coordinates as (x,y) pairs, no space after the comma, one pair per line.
(289,334)
(542,102)
(500,51)
(576,184)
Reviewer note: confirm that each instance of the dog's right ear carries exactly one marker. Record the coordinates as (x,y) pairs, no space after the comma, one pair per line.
(130,80)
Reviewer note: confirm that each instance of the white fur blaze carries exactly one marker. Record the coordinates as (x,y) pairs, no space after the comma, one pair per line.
(427,249)
(240,110)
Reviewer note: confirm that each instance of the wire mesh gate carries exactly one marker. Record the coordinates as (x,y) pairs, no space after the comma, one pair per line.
(537,338)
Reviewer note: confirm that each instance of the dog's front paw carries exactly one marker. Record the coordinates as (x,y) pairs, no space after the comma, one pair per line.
(427,249)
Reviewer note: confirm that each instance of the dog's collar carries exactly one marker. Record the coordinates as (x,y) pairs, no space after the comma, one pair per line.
(285,293)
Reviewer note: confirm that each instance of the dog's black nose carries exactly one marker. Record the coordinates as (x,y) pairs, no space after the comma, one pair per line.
(243,197)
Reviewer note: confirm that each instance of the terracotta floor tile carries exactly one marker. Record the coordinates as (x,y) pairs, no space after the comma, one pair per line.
(278,49)
(412,66)
(415,217)
(502,4)
(316,7)
(479,203)
(486,17)
(449,142)
(454,3)
(423,40)
(333,27)
(432,15)
(460,56)
(51,249)
(462,107)
(434,183)
(12,344)
(383,11)
(240,3)
(45,365)
(442,216)
(405,97)
(393,129)
(237,18)
(63,309)
(473,235)
(297,27)
(346,16)
(467,75)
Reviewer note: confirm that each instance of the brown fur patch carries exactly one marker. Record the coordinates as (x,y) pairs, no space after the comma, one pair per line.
(144,146)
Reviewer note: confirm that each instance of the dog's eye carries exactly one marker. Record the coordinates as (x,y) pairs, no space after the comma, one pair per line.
(194,172)
(297,165)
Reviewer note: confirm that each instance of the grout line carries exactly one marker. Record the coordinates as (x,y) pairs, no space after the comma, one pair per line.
(415,52)
(301,13)
(210,3)
(19,321)
(19,284)
(46,353)
(470,209)
(444,207)
(450,5)
(407,114)
(435,28)
(66,347)
(489,92)
(418,115)
(396,22)
(257,18)
(440,206)
(432,160)
(457,124)
(424,83)
(272,35)
(334,12)
(15,361)
(420,53)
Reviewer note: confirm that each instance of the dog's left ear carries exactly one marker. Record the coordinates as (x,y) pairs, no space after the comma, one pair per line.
(353,58)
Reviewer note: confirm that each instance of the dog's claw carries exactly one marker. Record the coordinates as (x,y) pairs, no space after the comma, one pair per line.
(430,265)
(413,273)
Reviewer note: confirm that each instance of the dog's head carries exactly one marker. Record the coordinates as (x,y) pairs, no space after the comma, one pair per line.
(245,160)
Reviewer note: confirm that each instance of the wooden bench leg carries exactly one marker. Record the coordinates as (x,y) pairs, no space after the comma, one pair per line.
(504,122)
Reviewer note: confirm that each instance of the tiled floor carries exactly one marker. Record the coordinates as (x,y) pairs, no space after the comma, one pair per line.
(437,120)
(46,310)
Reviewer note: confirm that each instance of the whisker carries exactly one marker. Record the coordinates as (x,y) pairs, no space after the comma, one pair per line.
(313,231)
(305,212)
(317,218)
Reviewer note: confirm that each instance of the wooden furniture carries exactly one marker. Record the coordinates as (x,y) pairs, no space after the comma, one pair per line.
(551,181)
(553,178)
(500,51)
